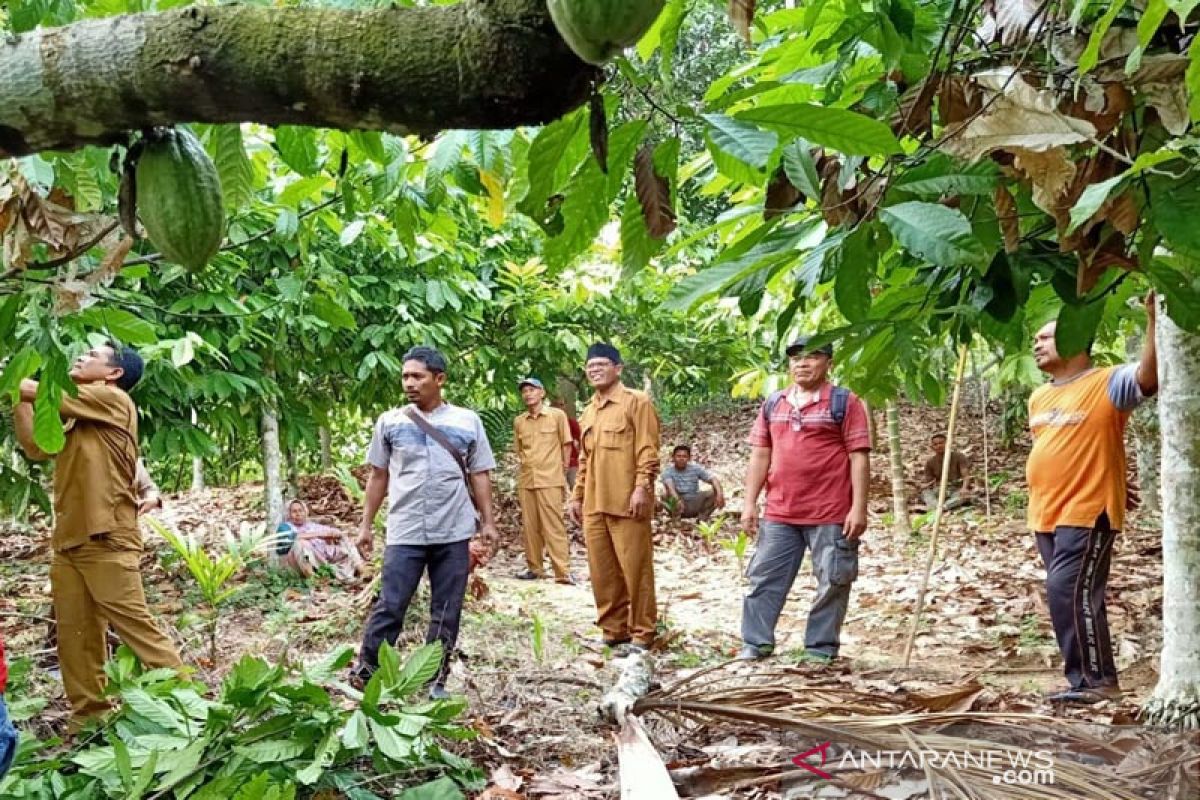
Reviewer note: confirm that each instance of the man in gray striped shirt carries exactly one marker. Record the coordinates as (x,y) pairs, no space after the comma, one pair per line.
(432,513)
(682,482)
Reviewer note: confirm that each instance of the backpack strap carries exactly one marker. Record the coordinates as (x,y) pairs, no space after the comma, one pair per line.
(768,408)
(839,399)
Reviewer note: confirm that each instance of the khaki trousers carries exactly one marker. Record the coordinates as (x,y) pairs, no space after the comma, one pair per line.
(94,585)
(544,529)
(620,554)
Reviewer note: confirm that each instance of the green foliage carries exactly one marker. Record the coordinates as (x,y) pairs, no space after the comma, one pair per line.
(269,731)
(212,574)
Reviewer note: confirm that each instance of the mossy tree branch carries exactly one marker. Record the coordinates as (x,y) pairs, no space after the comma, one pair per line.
(477,64)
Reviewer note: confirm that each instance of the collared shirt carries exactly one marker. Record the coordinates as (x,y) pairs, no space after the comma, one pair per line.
(95,472)
(687,480)
(540,440)
(428,502)
(1076,469)
(619,451)
(808,482)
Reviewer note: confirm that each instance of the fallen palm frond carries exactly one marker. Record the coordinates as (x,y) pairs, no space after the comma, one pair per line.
(955,753)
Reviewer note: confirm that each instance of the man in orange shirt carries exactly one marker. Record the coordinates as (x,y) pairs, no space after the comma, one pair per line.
(614,498)
(1076,475)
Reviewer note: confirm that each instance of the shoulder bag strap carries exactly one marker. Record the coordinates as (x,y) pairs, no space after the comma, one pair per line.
(439,437)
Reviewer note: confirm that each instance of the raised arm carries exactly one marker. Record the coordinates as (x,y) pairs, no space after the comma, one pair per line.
(23,426)
(1147,370)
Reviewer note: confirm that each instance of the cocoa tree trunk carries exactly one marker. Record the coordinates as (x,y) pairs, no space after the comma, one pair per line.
(1145,429)
(272,466)
(901,524)
(475,64)
(293,472)
(197,463)
(326,448)
(1176,698)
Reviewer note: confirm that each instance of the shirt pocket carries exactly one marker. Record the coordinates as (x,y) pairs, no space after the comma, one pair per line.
(616,435)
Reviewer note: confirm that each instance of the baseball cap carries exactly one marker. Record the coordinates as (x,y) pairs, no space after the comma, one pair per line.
(521,384)
(800,346)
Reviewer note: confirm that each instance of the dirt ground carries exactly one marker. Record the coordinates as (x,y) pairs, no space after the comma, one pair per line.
(532,668)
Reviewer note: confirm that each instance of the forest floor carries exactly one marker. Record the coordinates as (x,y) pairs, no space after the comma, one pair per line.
(533,673)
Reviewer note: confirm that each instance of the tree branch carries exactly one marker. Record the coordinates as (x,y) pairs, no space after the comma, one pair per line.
(476,64)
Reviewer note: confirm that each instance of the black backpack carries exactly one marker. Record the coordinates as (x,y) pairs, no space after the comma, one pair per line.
(839,398)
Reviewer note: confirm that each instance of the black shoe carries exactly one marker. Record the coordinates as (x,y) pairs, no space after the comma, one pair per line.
(615,643)
(568,580)
(528,575)
(438,692)
(1085,695)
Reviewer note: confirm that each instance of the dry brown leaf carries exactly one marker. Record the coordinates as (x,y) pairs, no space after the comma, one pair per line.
(1123,213)
(598,128)
(741,14)
(781,195)
(654,193)
(1010,223)
(497,793)
(1161,68)
(1103,105)
(1014,20)
(957,700)
(914,115)
(111,264)
(1170,100)
(868,781)
(1050,173)
(1019,115)
(958,100)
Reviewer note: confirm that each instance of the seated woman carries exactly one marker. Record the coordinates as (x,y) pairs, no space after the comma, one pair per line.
(313,544)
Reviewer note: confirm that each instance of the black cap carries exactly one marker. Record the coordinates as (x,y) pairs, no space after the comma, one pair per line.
(800,346)
(604,350)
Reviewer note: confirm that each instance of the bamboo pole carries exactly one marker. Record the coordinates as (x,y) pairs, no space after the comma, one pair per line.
(983,423)
(939,512)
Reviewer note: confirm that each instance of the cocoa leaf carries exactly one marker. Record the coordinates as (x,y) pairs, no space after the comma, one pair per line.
(741,14)
(654,193)
(1006,213)
(781,195)
(598,123)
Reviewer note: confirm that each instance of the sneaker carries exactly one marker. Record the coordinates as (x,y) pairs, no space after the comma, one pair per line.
(528,575)
(815,657)
(751,652)
(1086,695)
(438,692)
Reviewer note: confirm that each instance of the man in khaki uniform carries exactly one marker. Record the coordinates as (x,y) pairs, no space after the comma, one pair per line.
(614,498)
(543,443)
(95,575)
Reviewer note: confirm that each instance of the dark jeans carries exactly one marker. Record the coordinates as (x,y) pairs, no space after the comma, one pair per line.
(1077,561)
(8,740)
(403,566)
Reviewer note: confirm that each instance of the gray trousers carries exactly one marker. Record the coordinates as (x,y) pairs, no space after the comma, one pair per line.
(772,571)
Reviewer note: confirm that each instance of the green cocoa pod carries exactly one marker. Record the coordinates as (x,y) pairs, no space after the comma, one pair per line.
(179,197)
(597,30)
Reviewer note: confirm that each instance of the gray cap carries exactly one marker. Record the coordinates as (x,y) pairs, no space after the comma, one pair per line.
(521,384)
(800,347)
